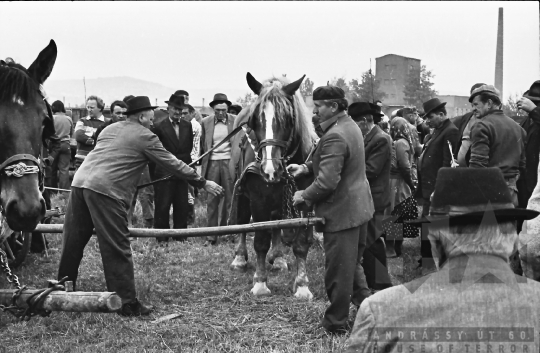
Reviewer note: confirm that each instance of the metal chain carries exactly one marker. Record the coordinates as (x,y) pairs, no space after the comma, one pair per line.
(288,209)
(13,279)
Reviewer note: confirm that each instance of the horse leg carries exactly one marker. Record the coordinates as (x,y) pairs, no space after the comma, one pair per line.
(301,249)
(241,253)
(262,245)
(277,256)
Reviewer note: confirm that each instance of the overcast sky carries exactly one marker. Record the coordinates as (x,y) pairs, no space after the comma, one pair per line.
(213,44)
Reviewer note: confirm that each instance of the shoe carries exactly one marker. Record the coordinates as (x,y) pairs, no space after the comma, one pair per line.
(135,309)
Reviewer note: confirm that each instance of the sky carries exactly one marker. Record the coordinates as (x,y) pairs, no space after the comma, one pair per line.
(202,45)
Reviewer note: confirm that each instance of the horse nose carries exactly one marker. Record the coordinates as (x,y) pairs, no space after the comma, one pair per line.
(25,216)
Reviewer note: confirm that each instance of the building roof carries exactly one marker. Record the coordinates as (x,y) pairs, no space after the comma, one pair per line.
(401,56)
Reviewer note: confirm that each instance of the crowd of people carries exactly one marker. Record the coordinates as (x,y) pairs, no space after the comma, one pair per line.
(456,169)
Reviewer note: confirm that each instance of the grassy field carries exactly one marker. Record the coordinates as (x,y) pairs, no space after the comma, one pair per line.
(217,312)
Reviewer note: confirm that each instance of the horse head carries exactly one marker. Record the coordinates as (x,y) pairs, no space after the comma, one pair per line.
(280,124)
(25,120)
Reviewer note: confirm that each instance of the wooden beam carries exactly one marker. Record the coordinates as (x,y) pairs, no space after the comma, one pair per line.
(201,232)
(95,302)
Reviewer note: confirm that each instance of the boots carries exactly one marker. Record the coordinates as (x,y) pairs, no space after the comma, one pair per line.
(135,309)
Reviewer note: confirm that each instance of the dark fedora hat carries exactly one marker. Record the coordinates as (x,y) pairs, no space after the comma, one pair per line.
(181,92)
(534,92)
(138,104)
(220,98)
(358,109)
(466,194)
(431,105)
(176,101)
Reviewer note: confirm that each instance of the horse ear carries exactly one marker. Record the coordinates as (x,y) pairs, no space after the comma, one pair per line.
(42,67)
(255,85)
(293,87)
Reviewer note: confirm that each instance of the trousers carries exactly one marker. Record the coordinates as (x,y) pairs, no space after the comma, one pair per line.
(344,277)
(60,167)
(171,193)
(87,210)
(218,171)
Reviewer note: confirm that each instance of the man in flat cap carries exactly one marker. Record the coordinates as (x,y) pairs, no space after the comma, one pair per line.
(497,140)
(474,303)
(101,194)
(340,193)
(378,156)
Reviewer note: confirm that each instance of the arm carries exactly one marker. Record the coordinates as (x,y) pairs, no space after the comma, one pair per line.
(453,137)
(333,153)
(403,153)
(375,161)
(80,134)
(480,146)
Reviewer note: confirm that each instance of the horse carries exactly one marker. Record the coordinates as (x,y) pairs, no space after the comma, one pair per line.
(26,120)
(279,131)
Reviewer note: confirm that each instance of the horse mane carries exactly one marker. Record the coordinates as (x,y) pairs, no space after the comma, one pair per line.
(15,82)
(272,92)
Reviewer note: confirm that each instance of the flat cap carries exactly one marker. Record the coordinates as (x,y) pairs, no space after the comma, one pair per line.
(407,111)
(489,89)
(328,92)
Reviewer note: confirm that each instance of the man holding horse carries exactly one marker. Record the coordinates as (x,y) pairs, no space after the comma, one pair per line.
(341,195)
(102,191)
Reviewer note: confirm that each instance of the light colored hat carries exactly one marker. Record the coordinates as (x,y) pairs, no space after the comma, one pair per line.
(489,89)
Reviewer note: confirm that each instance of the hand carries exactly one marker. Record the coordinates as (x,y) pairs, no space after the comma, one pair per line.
(90,141)
(296,170)
(297,198)
(213,188)
(526,104)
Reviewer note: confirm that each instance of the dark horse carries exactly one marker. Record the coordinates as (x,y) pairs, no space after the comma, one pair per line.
(279,131)
(25,121)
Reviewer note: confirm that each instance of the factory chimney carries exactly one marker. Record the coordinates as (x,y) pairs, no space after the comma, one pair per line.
(499,66)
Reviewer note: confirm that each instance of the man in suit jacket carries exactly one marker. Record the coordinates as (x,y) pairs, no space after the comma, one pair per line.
(475,300)
(435,155)
(176,135)
(340,193)
(101,194)
(378,157)
(215,166)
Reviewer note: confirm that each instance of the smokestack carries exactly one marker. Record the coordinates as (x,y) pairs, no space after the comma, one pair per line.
(499,67)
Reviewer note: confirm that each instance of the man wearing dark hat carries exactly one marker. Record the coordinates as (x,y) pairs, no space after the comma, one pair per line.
(530,103)
(176,135)
(497,141)
(102,191)
(235,109)
(465,123)
(378,155)
(436,154)
(215,166)
(474,294)
(340,193)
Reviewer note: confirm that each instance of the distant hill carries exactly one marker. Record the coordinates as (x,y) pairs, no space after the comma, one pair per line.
(112,88)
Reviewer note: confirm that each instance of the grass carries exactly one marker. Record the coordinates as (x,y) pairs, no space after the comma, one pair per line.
(217,312)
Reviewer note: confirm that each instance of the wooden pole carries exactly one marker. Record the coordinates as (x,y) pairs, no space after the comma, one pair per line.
(201,232)
(95,302)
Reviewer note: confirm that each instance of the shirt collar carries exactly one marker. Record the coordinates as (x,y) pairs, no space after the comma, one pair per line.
(101,118)
(172,120)
(328,123)
(226,119)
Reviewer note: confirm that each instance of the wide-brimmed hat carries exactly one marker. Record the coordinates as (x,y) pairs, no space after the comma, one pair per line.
(236,106)
(176,101)
(489,89)
(358,109)
(431,105)
(138,104)
(181,92)
(534,92)
(466,194)
(220,98)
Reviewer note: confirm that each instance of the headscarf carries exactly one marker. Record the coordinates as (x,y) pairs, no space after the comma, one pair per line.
(399,129)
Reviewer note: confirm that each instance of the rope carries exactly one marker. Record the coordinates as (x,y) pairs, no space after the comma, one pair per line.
(20,169)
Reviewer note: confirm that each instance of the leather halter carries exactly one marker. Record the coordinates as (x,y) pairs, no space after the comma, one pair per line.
(279,143)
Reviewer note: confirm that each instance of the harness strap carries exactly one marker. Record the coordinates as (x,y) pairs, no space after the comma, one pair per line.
(19,157)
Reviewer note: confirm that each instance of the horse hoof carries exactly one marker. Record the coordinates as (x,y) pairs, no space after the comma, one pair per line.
(280,265)
(239,263)
(303,292)
(260,289)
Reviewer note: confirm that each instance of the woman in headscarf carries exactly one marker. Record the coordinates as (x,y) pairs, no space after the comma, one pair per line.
(401,183)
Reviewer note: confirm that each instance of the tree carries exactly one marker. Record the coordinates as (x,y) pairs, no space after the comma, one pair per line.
(418,87)
(510,108)
(247,100)
(368,89)
(306,89)
(341,83)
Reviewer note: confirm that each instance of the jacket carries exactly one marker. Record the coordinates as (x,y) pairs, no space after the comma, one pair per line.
(471,294)
(207,137)
(527,181)
(85,129)
(498,141)
(461,123)
(435,155)
(340,192)
(123,150)
(180,147)
(378,152)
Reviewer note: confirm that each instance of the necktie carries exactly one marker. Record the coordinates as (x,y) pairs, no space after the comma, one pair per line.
(176,127)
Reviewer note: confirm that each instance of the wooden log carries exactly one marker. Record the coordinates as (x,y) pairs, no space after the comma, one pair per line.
(201,232)
(94,302)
